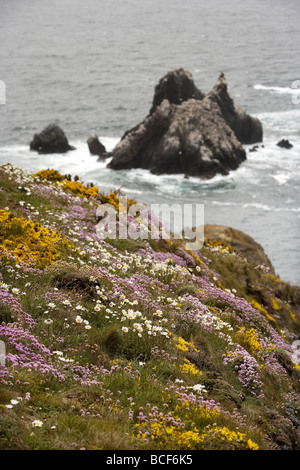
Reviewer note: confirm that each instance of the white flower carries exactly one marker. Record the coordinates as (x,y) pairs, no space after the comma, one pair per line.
(78,319)
(51,305)
(37,423)
(88,327)
(14,402)
(9,406)
(4,286)
(125,329)
(199,388)
(48,321)
(15,290)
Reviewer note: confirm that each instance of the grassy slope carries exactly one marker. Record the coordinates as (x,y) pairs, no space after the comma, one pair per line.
(129,344)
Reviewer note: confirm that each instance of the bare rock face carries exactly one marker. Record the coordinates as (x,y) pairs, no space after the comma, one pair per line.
(51,140)
(95,146)
(247,129)
(188,132)
(176,86)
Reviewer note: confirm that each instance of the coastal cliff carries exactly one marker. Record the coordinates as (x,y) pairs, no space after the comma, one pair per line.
(137,344)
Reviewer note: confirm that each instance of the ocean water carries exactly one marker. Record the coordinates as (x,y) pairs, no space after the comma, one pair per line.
(92,67)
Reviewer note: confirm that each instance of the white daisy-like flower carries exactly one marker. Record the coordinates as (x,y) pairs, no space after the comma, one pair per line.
(37,423)
(78,319)
(125,329)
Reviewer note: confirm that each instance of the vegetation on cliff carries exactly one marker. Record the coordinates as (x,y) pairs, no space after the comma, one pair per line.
(136,344)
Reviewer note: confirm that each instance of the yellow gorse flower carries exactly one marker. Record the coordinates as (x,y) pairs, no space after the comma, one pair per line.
(29,242)
(74,187)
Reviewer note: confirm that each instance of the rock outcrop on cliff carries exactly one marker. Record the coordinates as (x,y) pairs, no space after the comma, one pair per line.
(188,132)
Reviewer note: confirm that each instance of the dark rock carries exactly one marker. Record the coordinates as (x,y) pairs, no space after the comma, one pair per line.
(176,86)
(188,132)
(284,144)
(254,148)
(191,138)
(51,140)
(96,147)
(247,128)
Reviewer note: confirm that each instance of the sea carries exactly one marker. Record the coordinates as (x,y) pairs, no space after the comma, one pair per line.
(91,67)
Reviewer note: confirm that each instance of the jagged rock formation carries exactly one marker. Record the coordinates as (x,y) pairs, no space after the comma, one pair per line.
(176,86)
(247,129)
(187,131)
(52,139)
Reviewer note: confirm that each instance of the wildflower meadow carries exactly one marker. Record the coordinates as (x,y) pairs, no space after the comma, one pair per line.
(135,344)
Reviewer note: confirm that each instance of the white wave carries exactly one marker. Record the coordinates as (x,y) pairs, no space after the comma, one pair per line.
(281,178)
(278,89)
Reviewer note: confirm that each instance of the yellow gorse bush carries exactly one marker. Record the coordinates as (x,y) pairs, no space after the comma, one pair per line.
(114,201)
(180,438)
(183,345)
(79,189)
(49,175)
(236,440)
(250,338)
(262,310)
(75,187)
(29,242)
(189,368)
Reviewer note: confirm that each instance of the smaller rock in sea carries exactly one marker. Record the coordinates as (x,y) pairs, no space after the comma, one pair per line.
(95,146)
(284,143)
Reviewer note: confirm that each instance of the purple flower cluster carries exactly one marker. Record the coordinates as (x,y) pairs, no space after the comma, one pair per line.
(247,369)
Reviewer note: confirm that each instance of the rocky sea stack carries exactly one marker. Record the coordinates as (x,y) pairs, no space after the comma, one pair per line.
(52,139)
(187,131)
